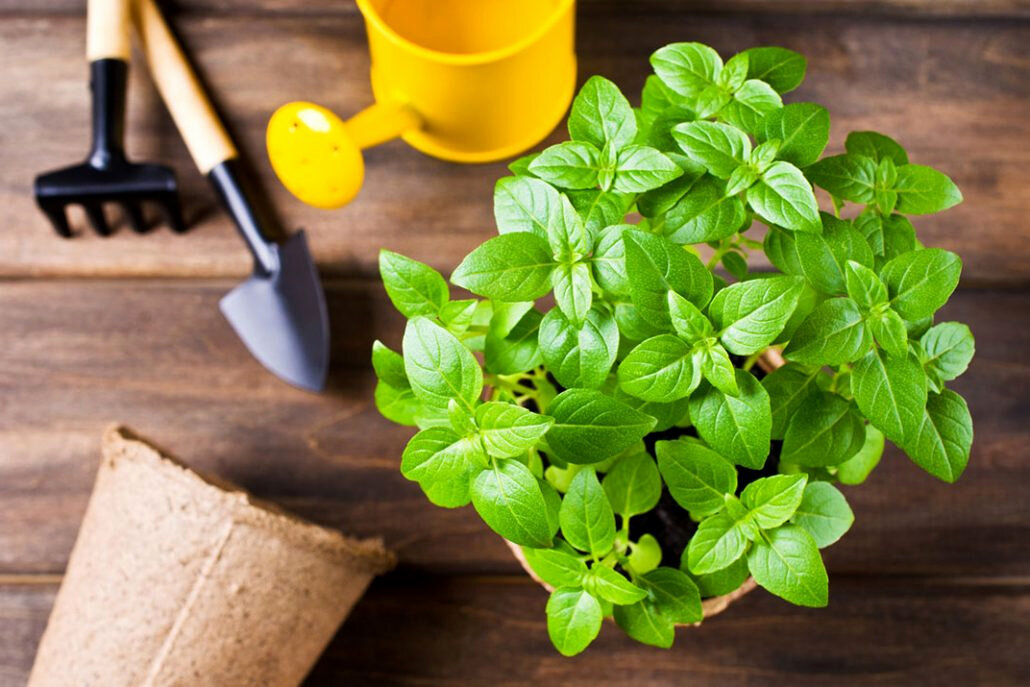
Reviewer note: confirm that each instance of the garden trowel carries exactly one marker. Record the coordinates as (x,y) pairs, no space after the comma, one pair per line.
(280,311)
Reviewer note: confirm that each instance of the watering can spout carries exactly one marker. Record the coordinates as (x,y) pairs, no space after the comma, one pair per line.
(317,156)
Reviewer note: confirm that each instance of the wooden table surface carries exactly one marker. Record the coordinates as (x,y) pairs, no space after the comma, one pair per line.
(932,586)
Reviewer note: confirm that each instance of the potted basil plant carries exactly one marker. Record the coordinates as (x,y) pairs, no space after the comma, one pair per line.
(615,402)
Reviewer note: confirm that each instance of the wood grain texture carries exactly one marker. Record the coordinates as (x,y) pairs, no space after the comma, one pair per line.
(954,92)
(918,8)
(158,356)
(459,631)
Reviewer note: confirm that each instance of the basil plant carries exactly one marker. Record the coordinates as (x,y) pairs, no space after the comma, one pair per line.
(609,367)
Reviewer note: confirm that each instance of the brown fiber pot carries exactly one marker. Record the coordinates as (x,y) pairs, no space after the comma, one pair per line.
(177,579)
(769,361)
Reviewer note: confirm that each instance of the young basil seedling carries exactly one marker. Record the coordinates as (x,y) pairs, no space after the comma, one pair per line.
(550,438)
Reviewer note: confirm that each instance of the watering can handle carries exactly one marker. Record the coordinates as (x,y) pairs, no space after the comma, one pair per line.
(317,156)
(208,142)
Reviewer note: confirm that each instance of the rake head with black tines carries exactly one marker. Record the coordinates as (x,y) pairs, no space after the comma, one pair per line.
(107,176)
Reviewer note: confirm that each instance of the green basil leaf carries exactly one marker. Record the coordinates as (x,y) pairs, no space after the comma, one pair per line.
(660,135)
(782,69)
(875,146)
(461,418)
(722,581)
(579,357)
(413,287)
(526,205)
(751,314)
(780,247)
(599,209)
(572,164)
(803,130)
(667,414)
(573,620)
(851,177)
(509,499)
(586,517)
(717,368)
(600,113)
(509,267)
(656,266)
(655,97)
(750,104)
(824,257)
(438,366)
(397,404)
(734,73)
(856,469)
(632,326)
(644,623)
(889,331)
(572,290)
(949,347)
(689,322)
(824,513)
(645,555)
(633,485)
(505,316)
(824,431)
(698,478)
(891,392)
(660,200)
(920,282)
(719,148)
(738,427)
(923,190)
(786,562)
(772,500)
(704,214)
(944,437)
(784,197)
(516,351)
(641,169)
(835,333)
(614,587)
(520,166)
(509,430)
(659,369)
(567,235)
(687,68)
(556,567)
(389,366)
(788,387)
(443,465)
(590,426)
(717,544)
(674,594)
(609,260)
(863,286)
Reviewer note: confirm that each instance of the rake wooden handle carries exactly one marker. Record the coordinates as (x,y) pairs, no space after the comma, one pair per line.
(206,138)
(107,30)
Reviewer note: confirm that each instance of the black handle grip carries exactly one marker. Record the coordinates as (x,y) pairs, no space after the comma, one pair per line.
(108,80)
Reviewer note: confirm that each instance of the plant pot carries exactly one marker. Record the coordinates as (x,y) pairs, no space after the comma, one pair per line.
(179,579)
(768,361)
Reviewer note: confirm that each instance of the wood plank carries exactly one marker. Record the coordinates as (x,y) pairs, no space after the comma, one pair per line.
(952,91)
(412,629)
(158,356)
(919,8)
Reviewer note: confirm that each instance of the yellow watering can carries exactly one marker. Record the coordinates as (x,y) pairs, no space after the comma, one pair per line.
(461,80)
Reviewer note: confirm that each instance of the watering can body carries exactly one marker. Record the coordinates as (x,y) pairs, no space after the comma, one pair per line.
(478,89)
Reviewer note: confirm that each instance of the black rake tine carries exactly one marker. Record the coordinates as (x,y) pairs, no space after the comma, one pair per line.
(58,217)
(95,215)
(135,214)
(172,211)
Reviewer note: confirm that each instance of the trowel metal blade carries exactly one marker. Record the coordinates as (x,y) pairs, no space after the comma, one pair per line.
(282,317)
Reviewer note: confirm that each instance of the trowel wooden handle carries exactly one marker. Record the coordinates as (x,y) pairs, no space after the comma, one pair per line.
(208,142)
(107,30)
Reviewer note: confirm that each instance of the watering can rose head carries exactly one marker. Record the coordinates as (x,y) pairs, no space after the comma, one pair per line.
(656,382)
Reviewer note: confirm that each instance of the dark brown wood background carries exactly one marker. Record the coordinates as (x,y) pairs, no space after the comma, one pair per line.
(931,586)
